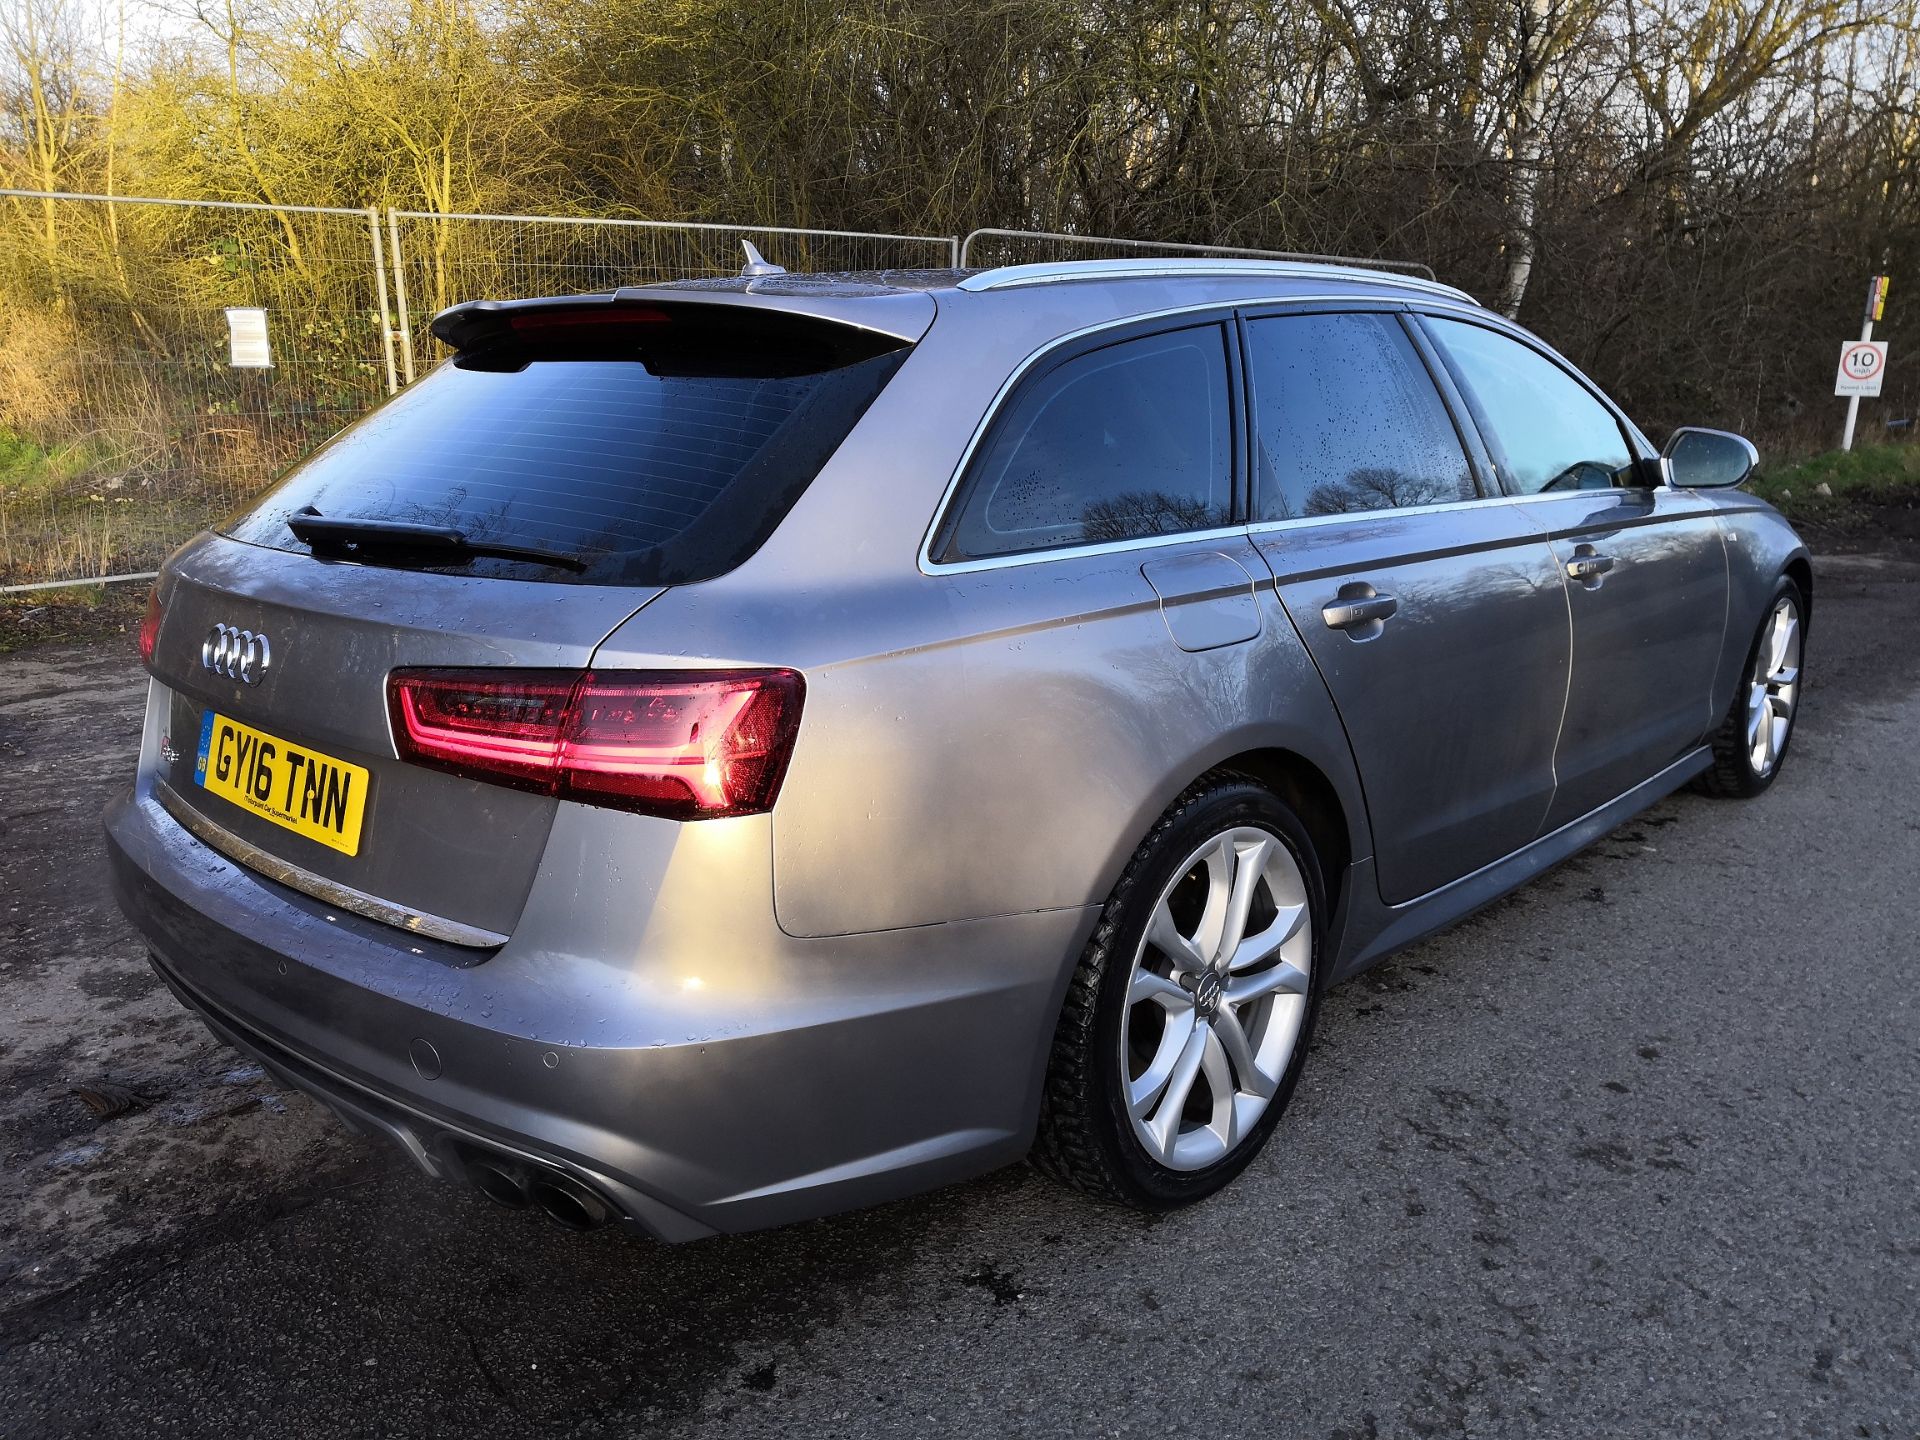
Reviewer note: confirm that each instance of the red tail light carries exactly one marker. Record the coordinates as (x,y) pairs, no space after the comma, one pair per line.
(689,745)
(150,627)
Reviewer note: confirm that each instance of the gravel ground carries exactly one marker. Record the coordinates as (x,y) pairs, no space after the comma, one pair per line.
(1636,1152)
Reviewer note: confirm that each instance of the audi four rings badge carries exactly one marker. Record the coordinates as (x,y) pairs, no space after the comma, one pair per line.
(238,654)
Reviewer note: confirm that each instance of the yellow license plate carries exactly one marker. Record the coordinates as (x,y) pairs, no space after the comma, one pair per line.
(296,788)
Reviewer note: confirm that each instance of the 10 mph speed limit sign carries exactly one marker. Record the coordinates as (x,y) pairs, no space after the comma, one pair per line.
(1862,363)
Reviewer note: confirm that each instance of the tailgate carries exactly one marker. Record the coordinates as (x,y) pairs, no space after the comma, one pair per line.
(301,768)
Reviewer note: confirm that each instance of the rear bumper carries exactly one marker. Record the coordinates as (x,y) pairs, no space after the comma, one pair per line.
(697,1086)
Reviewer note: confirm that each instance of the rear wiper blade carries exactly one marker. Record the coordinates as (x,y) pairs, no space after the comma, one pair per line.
(344,532)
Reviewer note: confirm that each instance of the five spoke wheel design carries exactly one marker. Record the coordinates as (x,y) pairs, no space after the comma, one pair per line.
(1773,689)
(1216,998)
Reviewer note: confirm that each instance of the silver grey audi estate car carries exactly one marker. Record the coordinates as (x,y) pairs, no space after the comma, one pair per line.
(721,752)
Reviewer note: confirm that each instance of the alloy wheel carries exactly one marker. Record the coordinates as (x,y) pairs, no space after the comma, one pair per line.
(1216,998)
(1774,688)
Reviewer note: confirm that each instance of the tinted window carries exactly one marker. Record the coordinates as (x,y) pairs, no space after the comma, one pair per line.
(1130,440)
(1347,419)
(1549,433)
(647,478)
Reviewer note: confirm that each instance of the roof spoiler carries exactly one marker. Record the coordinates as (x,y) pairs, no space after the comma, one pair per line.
(888,320)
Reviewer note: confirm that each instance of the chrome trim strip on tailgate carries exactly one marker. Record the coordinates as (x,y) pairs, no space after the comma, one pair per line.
(318,887)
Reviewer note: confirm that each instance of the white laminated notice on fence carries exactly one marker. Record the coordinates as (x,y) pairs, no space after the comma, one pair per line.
(247,340)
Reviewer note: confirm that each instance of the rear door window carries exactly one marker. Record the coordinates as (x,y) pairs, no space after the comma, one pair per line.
(645,462)
(1549,432)
(1130,440)
(1346,419)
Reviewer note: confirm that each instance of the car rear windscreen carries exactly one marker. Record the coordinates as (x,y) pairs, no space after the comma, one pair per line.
(631,462)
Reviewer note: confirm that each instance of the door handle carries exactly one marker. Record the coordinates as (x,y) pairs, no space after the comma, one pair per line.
(1359,607)
(1588,564)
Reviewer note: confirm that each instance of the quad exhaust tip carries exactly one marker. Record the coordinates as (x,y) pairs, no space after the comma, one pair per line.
(498,1183)
(518,1186)
(569,1206)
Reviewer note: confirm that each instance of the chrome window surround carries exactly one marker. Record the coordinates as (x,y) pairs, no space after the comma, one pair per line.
(1470,310)
(1223,309)
(1229,532)
(1220,309)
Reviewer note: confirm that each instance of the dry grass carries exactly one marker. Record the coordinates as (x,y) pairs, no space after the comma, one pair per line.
(54,535)
(39,392)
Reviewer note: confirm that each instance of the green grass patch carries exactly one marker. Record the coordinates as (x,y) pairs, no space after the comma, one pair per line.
(27,466)
(1872,474)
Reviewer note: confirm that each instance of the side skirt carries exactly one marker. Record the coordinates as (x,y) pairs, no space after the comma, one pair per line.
(1374,930)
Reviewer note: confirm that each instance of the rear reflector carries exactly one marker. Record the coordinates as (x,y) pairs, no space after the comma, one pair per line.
(150,627)
(688,745)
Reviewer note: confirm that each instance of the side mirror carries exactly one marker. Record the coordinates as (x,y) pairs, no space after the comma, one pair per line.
(1708,459)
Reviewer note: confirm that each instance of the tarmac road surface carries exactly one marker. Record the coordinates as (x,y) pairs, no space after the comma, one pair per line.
(1634,1153)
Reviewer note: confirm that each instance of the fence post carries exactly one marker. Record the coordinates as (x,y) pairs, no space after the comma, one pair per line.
(398,260)
(380,287)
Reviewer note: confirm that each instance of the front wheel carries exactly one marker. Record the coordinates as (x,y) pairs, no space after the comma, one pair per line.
(1751,744)
(1187,1019)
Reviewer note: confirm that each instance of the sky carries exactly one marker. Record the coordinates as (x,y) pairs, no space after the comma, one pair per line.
(145,20)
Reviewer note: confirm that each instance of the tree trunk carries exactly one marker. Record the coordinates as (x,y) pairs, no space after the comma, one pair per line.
(1523,203)
(1523,151)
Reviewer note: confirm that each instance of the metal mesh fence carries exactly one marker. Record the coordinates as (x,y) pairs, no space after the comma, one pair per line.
(126,426)
(441,260)
(123,426)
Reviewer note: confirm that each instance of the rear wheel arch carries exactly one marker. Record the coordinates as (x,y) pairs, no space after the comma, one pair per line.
(1310,794)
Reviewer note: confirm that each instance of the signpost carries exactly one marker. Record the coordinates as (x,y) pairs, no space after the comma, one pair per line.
(1864,361)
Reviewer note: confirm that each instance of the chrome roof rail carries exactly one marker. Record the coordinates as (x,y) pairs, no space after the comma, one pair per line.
(1012,277)
(1217,252)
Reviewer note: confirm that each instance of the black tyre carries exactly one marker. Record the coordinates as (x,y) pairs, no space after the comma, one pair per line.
(1751,744)
(1187,1021)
